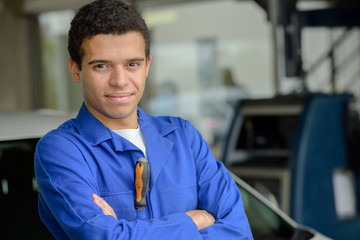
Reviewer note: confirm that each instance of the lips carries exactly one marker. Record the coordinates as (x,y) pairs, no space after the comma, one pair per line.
(119,97)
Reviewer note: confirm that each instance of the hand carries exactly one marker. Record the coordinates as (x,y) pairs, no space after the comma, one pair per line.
(201,218)
(105,207)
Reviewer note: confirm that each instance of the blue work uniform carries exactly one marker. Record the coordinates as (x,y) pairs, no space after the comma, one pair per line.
(83,157)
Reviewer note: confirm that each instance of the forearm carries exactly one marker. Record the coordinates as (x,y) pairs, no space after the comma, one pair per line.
(227,208)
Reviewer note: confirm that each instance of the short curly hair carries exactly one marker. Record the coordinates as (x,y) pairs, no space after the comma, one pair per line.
(104,17)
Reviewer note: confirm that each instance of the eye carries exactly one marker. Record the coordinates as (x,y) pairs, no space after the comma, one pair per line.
(100,66)
(134,64)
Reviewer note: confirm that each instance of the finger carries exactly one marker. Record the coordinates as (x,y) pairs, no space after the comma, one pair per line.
(201,218)
(102,204)
(99,201)
(105,207)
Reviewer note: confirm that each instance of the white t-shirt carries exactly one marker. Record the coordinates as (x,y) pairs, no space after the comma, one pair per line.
(134,136)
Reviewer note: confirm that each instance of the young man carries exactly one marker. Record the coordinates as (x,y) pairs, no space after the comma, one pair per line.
(85,168)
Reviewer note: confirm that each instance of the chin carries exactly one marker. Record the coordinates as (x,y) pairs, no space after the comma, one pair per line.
(119,115)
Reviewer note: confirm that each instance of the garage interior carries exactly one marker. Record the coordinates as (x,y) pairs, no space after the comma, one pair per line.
(293,132)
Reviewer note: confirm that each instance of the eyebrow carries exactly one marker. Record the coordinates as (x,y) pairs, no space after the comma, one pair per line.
(137,59)
(98,61)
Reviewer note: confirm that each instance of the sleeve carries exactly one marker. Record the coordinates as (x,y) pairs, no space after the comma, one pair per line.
(66,207)
(217,193)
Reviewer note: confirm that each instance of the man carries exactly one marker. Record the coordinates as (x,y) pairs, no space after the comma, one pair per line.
(85,168)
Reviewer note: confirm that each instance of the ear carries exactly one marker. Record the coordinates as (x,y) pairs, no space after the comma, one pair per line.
(148,63)
(74,70)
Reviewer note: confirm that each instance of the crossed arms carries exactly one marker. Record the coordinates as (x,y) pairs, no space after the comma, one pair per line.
(201,218)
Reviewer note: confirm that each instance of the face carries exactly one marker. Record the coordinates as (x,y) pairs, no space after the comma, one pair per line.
(113,76)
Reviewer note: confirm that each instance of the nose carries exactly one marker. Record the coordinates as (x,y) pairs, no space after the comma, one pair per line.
(118,77)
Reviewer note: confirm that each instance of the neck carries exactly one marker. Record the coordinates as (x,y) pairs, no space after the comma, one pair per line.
(117,124)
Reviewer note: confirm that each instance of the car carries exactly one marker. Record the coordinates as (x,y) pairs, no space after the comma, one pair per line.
(19,134)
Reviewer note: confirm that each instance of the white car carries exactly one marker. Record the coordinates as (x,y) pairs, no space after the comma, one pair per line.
(19,133)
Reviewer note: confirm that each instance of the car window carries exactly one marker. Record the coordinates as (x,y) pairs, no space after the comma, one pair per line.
(17,170)
(265,223)
(18,191)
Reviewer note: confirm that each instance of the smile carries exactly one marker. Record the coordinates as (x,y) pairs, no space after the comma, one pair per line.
(119,97)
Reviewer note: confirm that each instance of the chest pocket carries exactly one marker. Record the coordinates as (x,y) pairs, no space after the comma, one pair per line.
(122,203)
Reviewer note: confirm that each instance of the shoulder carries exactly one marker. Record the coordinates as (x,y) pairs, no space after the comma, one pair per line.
(165,123)
(66,132)
(60,147)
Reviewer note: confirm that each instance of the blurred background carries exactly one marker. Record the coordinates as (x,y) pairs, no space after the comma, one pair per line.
(207,54)
(258,78)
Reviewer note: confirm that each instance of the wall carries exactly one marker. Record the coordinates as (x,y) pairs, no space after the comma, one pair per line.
(15,87)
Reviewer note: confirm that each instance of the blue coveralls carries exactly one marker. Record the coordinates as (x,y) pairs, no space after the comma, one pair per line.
(83,157)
